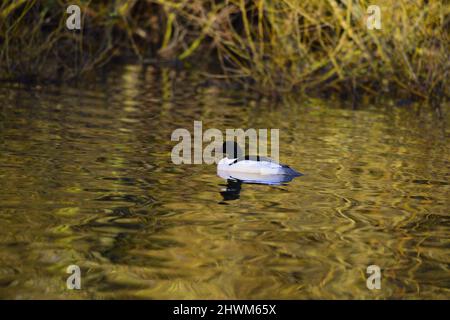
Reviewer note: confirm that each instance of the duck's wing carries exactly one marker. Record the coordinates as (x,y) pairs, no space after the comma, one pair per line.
(253,158)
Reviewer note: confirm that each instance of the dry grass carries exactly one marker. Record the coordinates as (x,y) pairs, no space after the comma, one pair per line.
(277,45)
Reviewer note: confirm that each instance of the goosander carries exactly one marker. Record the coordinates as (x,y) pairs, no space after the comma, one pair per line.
(234,164)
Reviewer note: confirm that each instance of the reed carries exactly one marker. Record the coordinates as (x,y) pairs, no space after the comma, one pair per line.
(277,46)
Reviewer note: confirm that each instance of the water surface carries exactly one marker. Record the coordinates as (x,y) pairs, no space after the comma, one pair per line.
(87,179)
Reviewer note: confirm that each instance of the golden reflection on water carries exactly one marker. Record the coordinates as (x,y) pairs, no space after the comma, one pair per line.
(87,179)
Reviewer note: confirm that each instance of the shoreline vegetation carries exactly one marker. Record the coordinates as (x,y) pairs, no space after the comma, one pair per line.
(273,47)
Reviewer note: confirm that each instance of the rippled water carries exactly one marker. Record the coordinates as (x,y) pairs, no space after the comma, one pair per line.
(87,179)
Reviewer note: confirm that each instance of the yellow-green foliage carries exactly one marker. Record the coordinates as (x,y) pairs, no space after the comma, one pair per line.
(281,45)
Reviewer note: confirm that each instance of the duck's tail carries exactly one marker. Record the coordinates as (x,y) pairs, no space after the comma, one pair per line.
(291,172)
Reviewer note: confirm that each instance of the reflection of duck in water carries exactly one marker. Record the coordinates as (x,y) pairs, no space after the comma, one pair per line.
(232,191)
(249,169)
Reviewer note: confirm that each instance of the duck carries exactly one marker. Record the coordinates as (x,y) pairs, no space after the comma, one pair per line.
(234,164)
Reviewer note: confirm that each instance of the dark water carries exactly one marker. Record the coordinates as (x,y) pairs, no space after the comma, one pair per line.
(87,179)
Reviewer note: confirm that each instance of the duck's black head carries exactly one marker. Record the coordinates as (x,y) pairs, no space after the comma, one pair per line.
(231,149)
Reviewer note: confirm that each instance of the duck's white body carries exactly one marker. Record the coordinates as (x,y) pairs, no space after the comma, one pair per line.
(273,179)
(262,167)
